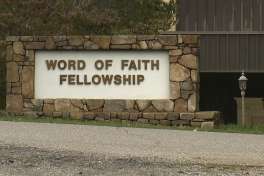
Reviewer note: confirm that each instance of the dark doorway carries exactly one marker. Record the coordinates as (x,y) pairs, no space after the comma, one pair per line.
(217,92)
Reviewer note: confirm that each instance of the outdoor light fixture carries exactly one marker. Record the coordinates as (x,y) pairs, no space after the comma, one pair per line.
(243,87)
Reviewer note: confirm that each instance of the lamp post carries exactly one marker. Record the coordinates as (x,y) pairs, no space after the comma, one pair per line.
(243,87)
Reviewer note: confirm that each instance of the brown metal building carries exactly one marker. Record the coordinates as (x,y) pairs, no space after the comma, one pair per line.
(231,33)
(232,40)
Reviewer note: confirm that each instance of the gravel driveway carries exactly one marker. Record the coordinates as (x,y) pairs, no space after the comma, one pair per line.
(28,161)
(135,150)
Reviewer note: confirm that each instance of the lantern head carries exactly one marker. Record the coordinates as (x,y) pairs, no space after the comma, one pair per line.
(243,82)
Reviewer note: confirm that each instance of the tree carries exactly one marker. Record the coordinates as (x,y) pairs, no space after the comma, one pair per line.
(77,17)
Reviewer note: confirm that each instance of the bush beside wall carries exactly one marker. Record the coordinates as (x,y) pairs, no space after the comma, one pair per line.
(84,17)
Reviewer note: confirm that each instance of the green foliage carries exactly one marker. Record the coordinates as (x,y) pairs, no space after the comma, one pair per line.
(72,17)
(143,16)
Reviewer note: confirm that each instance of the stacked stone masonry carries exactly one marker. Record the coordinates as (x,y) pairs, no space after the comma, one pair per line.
(180,109)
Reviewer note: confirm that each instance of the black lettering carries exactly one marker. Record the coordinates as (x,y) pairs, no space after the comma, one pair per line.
(78,80)
(140,79)
(126,79)
(117,80)
(81,65)
(71,65)
(96,79)
(124,63)
(139,64)
(86,80)
(154,64)
(71,79)
(132,65)
(145,62)
(108,63)
(63,78)
(107,79)
(134,79)
(99,64)
(62,64)
(51,64)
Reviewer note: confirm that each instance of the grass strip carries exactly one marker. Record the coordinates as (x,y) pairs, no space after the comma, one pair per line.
(230,128)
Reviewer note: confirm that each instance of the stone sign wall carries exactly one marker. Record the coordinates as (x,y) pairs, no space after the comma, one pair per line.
(184,82)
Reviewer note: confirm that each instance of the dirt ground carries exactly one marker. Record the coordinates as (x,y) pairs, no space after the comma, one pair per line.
(28,161)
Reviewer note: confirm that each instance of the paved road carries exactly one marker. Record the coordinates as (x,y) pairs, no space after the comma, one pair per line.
(172,145)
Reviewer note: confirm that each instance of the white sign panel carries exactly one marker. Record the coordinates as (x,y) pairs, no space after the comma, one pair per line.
(102,75)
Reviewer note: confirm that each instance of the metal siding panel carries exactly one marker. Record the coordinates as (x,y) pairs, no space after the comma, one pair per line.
(213,58)
(232,16)
(257,52)
(229,60)
(227,19)
(179,20)
(233,53)
(193,13)
(262,15)
(261,23)
(223,62)
(210,15)
(218,56)
(255,15)
(182,15)
(237,14)
(221,53)
(252,52)
(242,15)
(242,55)
(203,59)
(206,57)
(261,53)
(246,15)
(201,15)
(218,16)
(185,16)
(221,15)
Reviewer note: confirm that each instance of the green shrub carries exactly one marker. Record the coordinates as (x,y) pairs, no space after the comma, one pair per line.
(76,17)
